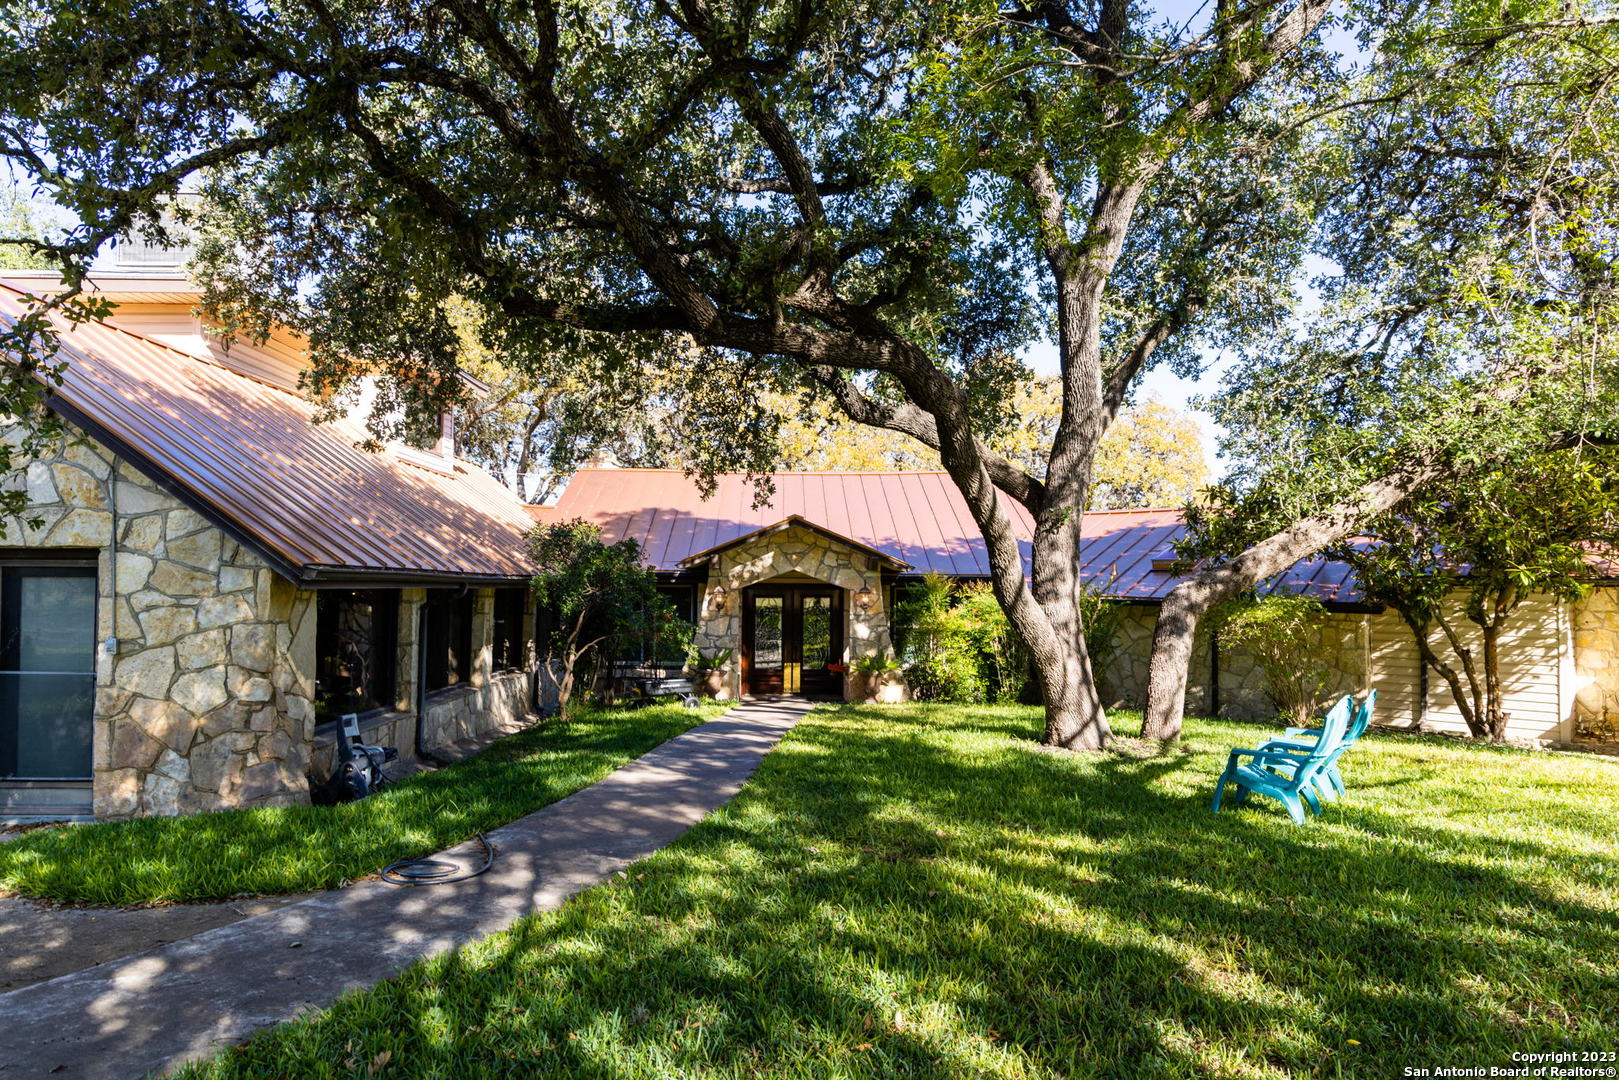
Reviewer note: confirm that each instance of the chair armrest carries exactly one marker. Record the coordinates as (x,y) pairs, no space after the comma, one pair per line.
(1295,732)
(1263,755)
(1284,746)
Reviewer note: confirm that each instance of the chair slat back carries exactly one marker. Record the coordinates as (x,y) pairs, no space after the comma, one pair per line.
(1363,718)
(1333,726)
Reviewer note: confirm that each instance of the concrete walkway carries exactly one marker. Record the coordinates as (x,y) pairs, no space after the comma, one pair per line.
(40,941)
(185,1000)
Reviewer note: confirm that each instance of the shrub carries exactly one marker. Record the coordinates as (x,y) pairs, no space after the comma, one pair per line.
(941,659)
(1278,632)
(1001,659)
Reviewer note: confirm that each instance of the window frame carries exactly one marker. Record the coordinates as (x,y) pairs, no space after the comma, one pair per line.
(510,637)
(385,634)
(447,632)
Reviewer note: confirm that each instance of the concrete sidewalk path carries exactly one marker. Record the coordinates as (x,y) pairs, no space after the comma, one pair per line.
(184,1000)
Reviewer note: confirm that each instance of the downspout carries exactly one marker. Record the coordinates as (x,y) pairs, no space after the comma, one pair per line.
(110,646)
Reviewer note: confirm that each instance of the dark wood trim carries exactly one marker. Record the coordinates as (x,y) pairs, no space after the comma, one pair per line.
(792,598)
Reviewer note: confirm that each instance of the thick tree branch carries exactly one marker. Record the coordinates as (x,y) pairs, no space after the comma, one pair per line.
(907,419)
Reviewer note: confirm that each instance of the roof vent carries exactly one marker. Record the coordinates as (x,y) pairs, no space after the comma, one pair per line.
(1164,561)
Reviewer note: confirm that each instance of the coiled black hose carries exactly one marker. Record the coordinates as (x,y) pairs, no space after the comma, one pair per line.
(436,871)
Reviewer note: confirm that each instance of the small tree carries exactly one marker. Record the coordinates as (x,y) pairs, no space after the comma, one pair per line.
(1277,631)
(603,598)
(1472,550)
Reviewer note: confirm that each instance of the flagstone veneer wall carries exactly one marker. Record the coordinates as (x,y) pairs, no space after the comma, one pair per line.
(1340,640)
(204,702)
(1595,619)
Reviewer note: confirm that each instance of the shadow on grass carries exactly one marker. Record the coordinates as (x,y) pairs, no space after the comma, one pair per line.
(294,849)
(922,893)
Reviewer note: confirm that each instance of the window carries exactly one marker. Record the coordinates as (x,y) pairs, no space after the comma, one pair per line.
(665,651)
(356,635)
(448,641)
(670,651)
(47,672)
(511,640)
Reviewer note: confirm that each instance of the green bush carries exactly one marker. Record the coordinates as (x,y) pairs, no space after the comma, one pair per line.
(1001,659)
(1278,632)
(958,646)
(941,657)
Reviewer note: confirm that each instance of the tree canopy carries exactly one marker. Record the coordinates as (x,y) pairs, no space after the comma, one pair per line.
(880,203)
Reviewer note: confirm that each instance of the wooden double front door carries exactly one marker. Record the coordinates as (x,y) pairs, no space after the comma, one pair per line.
(791,635)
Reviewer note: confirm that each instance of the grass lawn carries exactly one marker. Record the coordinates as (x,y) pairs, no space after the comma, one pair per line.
(922,892)
(212,856)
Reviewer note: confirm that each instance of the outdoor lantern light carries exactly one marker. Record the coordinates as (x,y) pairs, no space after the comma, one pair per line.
(716,598)
(863,599)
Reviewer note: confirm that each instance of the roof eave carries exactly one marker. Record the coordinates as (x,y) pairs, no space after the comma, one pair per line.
(707,554)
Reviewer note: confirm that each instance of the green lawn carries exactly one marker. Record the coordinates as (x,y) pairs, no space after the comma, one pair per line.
(922,892)
(212,856)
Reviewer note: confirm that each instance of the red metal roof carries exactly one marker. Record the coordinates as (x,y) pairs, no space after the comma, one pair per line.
(786,523)
(249,456)
(918,518)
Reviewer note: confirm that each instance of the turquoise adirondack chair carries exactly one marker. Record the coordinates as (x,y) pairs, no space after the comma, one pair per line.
(1293,782)
(1328,780)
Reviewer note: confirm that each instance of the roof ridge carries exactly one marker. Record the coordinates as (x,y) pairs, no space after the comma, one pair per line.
(778,472)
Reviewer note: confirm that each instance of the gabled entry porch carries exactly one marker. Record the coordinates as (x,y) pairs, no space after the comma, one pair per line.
(792,604)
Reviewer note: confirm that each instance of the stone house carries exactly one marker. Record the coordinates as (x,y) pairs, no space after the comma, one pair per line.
(206,578)
(800,587)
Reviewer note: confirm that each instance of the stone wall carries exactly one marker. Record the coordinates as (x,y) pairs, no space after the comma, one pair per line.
(1124,677)
(1595,621)
(1340,639)
(204,701)
(794,553)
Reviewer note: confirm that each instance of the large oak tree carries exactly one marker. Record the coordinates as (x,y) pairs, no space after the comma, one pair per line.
(883,202)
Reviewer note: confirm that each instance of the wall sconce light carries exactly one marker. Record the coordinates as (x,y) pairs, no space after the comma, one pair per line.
(717,597)
(864,599)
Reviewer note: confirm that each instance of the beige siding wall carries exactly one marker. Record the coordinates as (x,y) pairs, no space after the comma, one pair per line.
(1540,669)
(1396,671)
(1532,652)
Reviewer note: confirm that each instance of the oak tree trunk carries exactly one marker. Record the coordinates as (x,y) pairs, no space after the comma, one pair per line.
(1189,601)
(1075,719)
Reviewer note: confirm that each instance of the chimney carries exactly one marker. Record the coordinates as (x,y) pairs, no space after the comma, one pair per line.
(603,458)
(445,446)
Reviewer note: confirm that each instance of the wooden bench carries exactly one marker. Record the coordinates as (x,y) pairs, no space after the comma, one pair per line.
(652,689)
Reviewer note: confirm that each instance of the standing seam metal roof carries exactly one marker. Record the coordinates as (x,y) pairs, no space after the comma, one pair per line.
(305,494)
(918,518)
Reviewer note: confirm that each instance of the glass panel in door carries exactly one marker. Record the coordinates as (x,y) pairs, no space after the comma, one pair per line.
(768,645)
(817,632)
(47,672)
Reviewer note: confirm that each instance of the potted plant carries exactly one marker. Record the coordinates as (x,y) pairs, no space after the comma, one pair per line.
(709,671)
(872,675)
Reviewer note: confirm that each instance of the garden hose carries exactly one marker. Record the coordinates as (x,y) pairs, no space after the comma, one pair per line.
(435,871)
